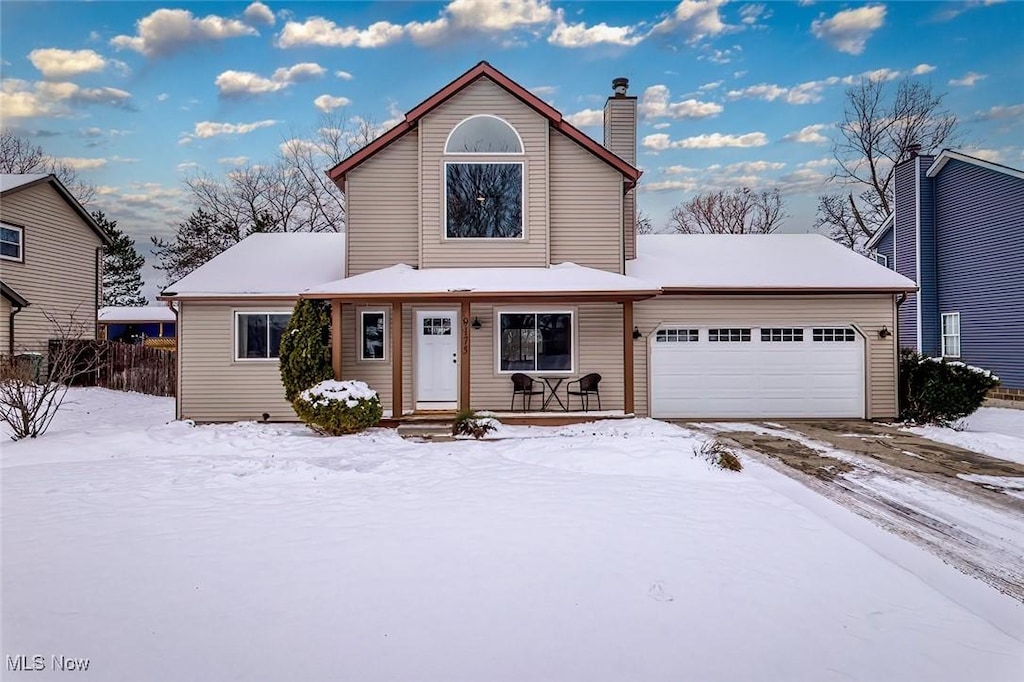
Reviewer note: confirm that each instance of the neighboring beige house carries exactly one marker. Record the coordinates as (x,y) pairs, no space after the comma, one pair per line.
(50,260)
(488,237)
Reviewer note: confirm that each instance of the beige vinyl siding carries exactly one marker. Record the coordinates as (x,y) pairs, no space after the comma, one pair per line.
(376,373)
(869,313)
(383,208)
(58,275)
(5,325)
(484,97)
(216,387)
(598,349)
(629,224)
(620,137)
(586,207)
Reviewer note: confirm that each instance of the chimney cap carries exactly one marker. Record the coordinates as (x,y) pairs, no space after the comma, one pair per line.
(619,86)
(914,148)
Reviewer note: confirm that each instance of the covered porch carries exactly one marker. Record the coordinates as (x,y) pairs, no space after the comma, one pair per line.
(438,341)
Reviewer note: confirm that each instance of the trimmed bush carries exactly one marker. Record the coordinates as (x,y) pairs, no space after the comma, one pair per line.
(939,391)
(338,408)
(469,424)
(305,355)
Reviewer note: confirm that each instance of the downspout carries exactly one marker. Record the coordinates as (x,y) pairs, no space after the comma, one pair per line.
(896,336)
(10,330)
(98,298)
(177,360)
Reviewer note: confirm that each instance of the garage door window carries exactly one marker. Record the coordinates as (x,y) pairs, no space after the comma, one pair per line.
(782,334)
(728,335)
(834,334)
(676,336)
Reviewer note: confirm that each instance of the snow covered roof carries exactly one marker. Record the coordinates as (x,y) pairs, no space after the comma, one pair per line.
(139,313)
(9,181)
(561,280)
(265,265)
(775,262)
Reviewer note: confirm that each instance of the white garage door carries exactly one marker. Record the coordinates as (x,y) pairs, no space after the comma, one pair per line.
(757,372)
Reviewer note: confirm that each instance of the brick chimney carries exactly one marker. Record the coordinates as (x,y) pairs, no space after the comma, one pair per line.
(915,149)
(620,137)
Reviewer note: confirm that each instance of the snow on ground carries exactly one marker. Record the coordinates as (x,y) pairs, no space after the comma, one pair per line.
(993,431)
(604,551)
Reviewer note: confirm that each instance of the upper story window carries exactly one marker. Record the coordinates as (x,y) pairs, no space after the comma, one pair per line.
(11,242)
(483,134)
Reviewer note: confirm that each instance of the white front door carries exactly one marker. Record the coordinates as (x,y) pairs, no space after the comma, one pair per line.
(437,358)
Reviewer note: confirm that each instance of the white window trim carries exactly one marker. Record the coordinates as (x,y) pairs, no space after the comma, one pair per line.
(573,351)
(234,333)
(21,243)
(448,139)
(362,340)
(487,240)
(880,258)
(943,335)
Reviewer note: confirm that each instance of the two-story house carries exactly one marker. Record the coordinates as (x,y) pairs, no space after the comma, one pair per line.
(487,237)
(957,229)
(50,260)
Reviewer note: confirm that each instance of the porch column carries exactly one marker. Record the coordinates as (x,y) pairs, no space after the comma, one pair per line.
(396,360)
(627,356)
(464,360)
(336,338)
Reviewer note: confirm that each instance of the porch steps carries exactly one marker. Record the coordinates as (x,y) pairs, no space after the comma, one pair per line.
(422,430)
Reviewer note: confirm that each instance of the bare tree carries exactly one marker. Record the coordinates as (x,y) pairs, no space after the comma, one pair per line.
(879,126)
(643,223)
(19,155)
(740,211)
(30,401)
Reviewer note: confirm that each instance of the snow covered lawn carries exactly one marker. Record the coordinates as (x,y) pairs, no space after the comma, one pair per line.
(595,552)
(993,431)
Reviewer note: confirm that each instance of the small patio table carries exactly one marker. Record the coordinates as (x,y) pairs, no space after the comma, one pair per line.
(552,382)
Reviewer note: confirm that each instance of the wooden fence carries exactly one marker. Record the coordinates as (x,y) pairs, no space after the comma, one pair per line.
(125,367)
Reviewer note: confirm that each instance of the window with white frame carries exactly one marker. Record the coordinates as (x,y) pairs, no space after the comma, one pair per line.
(483,134)
(483,200)
(372,330)
(11,242)
(535,342)
(258,335)
(951,335)
(880,258)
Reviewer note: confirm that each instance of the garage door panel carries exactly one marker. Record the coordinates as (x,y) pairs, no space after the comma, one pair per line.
(758,379)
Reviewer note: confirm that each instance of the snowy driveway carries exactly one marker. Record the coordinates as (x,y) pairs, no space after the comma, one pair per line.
(594,552)
(964,506)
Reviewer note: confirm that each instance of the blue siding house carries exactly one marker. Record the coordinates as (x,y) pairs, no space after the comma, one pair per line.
(957,229)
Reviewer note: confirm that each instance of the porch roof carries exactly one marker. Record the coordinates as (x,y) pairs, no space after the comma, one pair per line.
(563,281)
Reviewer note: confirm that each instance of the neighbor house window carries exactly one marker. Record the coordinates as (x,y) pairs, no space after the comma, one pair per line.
(483,134)
(483,200)
(535,342)
(951,335)
(11,242)
(258,335)
(880,258)
(372,329)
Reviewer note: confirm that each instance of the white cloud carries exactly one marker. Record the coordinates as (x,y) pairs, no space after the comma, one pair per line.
(187,165)
(233,160)
(258,13)
(818,163)
(587,117)
(205,129)
(694,20)
(660,141)
(79,163)
(754,166)
(765,91)
(23,99)
(662,126)
(1012,111)
(810,92)
(809,134)
(162,97)
(993,155)
(751,14)
(678,170)
(671,185)
(968,80)
(166,31)
(241,83)
(327,103)
(710,86)
(848,31)
(656,103)
(56,64)
(951,10)
(457,18)
(544,90)
(581,35)
(716,56)
(344,75)
(922,69)
(802,181)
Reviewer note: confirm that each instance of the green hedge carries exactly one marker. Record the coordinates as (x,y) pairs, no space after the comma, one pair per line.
(305,357)
(338,408)
(939,391)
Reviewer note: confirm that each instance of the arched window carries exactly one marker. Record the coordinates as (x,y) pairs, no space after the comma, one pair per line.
(483,134)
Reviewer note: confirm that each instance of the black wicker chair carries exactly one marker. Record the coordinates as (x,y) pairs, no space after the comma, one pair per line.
(524,385)
(586,386)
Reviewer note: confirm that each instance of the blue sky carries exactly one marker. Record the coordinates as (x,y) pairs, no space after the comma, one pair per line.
(139,94)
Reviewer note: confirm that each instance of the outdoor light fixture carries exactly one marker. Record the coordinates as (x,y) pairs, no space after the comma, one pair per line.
(884,333)
(636,333)
(477,323)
